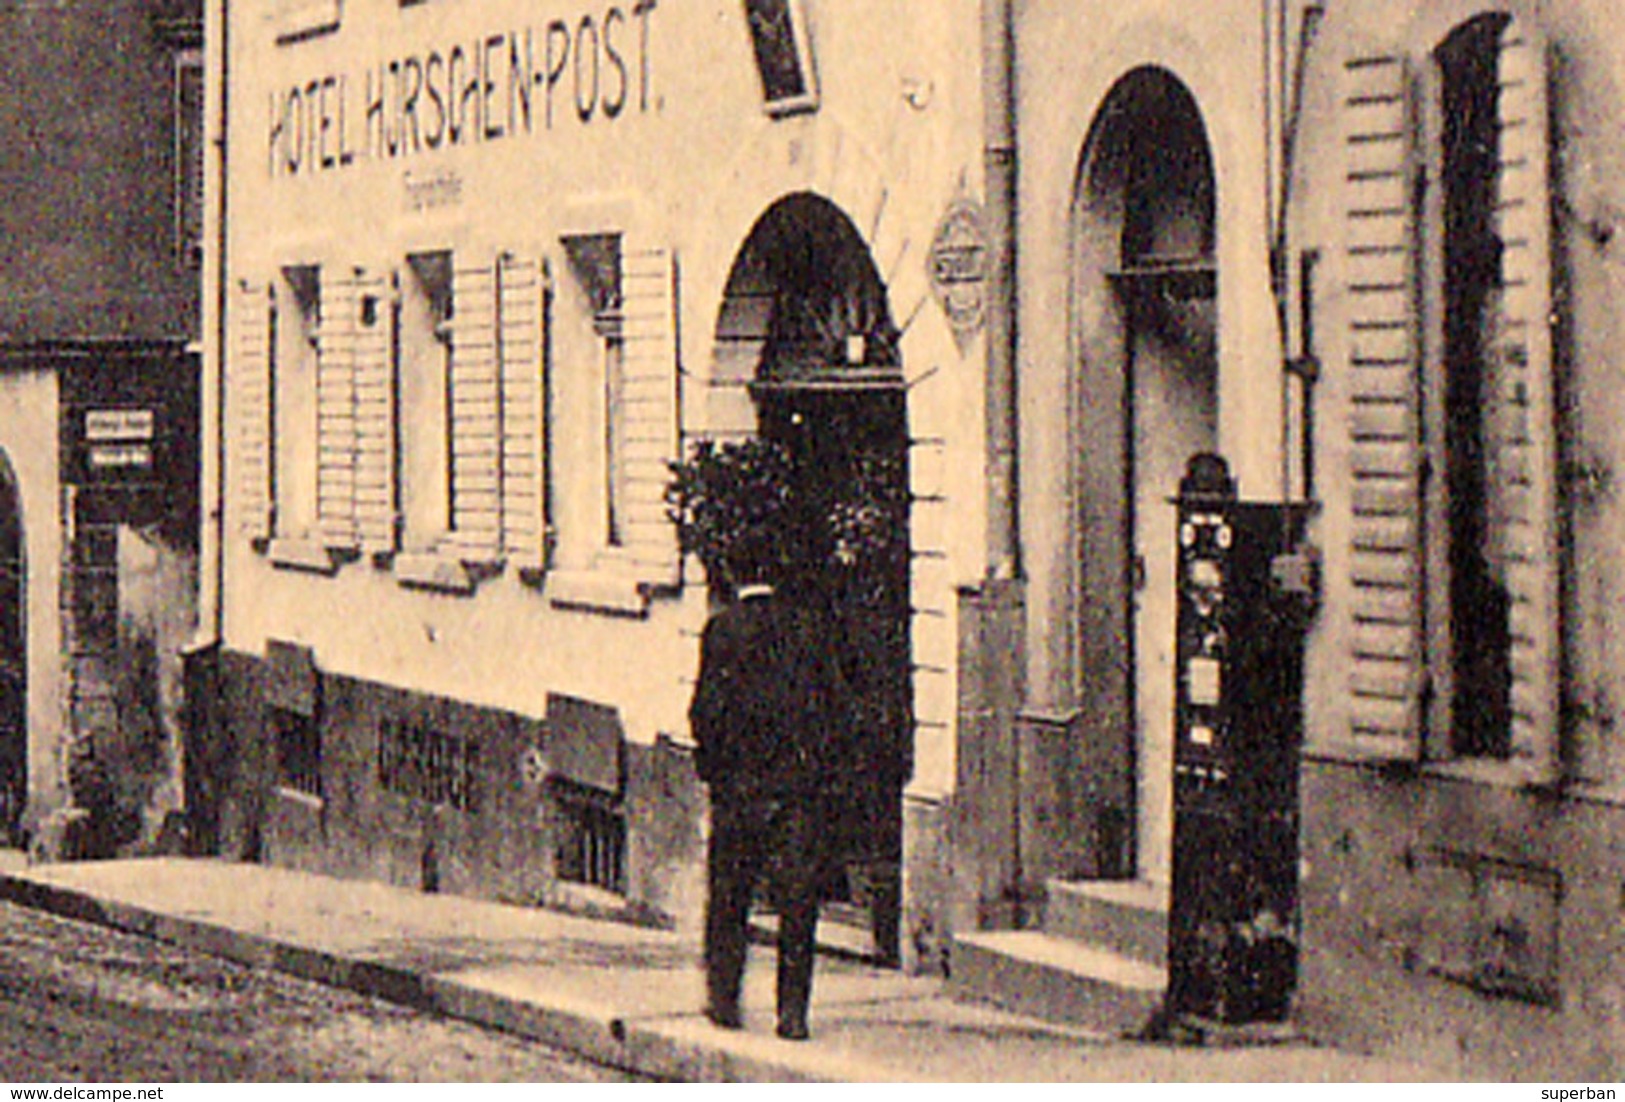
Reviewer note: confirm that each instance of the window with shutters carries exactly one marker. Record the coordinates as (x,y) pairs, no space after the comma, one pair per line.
(1454,562)
(424,344)
(496,396)
(296,333)
(615,383)
(1489,431)
(595,262)
(330,420)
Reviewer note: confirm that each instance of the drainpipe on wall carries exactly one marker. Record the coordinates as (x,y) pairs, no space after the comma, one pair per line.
(999,168)
(987,810)
(201,671)
(212,610)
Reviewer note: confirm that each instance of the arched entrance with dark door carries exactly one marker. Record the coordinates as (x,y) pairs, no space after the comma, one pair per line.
(13,659)
(805,303)
(1146,339)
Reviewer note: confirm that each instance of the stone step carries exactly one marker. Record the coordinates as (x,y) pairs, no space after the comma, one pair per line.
(1056,979)
(1128,917)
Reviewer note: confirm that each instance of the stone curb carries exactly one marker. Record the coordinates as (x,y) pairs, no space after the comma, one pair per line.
(670,1048)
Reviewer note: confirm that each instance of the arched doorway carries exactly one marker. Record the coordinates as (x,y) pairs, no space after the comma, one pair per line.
(1146,335)
(13,659)
(805,303)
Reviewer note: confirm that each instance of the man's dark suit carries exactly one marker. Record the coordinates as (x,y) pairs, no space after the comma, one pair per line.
(767,713)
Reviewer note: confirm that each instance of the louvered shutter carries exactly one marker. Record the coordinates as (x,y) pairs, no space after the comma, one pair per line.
(335,409)
(375,431)
(1387,668)
(649,328)
(476,414)
(1523,464)
(522,335)
(249,391)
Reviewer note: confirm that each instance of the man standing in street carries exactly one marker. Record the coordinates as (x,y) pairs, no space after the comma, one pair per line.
(766,719)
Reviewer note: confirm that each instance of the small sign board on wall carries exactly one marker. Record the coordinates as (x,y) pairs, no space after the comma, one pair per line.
(119,441)
(109,456)
(103,425)
(957,268)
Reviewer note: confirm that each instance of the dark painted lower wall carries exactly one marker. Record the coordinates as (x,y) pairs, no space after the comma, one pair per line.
(927,920)
(501,845)
(1471,926)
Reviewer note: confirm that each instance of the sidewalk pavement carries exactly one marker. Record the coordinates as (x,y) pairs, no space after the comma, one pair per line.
(617,994)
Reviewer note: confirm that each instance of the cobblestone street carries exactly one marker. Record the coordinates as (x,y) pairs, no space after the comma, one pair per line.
(83,1004)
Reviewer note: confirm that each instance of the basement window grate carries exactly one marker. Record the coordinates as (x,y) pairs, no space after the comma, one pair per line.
(298,751)
(428,764)
(591,837)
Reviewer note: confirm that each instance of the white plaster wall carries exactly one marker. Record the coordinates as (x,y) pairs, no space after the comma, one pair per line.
(28,437)
(692,172)
(1068,66)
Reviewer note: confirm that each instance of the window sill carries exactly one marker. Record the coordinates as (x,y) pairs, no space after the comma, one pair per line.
(433,570)
(307,555)
(303,799)
(480,559)
(297,20)
(1487,771)
(598,591)
(1495,773)
(1597,793)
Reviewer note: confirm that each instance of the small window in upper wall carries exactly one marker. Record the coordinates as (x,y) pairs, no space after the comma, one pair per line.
(294,20)
(778,31)
(188,119)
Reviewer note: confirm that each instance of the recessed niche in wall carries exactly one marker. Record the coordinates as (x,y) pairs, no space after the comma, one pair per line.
(1488,923)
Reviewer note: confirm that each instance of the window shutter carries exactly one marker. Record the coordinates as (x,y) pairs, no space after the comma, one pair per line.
(335,410)
(649,297)
(375,506)
(522,336)
(1387,666)
(249,392)
(1523,474)
(476,415)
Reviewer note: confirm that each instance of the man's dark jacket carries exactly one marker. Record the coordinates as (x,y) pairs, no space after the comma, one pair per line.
(769,712)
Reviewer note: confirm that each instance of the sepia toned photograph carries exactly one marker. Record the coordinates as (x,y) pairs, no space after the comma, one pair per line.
(811,541)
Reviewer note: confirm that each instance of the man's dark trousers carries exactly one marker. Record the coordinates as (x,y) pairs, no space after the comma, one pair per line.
(755,838)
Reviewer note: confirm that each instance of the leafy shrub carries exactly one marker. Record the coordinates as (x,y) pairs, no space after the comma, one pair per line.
(736,502)
(724,497)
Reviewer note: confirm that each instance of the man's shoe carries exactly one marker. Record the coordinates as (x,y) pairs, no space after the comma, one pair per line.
(793,1031)
(726,1017)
